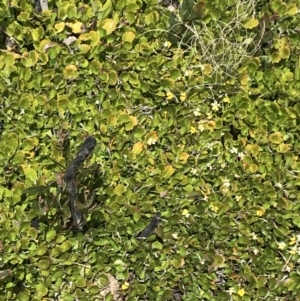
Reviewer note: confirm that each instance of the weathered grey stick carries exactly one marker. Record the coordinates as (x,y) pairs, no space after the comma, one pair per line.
(41,5)
(151,227)
(84,151)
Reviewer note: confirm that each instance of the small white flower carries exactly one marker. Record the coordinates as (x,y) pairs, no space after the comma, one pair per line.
(209,146)
(241,155)
(194,171)
(294,250)
(201,127)
(281,245)
(197,112)
(254,236)
(215,106)
(255,251)
(231,291)
(175,235)
(151,141)
(167,44)
(188,73)
(226,182)
(209,166)
(237,198)
(248,41)
(234,150)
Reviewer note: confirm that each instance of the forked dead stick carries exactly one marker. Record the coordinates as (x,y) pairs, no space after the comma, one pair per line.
(84,151)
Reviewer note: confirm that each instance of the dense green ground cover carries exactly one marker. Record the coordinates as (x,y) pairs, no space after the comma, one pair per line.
(196,115)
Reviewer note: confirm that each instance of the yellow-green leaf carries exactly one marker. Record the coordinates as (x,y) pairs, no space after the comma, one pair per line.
(275,57)
(50,235)
(109,25)
(59,27)
(276,138)
(112,120)
(84,48)
(30,173)
(252,23)
(292,9)
(253,168)
(138,148)
(168,171)
(283,148)
(76,27)
(183,156)
(120,189)
(132,123)
(157,245)
(37,33)
(207,69)
(128,36)
(71,71)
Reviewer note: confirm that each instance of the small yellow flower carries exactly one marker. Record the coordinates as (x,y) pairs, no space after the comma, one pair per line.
(182,96)
(167,44)
(226,99)
(293,240)
(125,286)
(188,73)
(185,212)
(193,130)
(209,115)
(214,208)
(170,95)
(241,292)
(260,212)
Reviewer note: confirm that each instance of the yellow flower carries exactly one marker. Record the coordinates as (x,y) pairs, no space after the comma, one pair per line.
(214,208)
(182,96)
(167,44)
(226,99)
(125,286)
(188,73)
(293,240)
(185,212)
(170,95)
(241,292)
(260,212)
(193,130)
